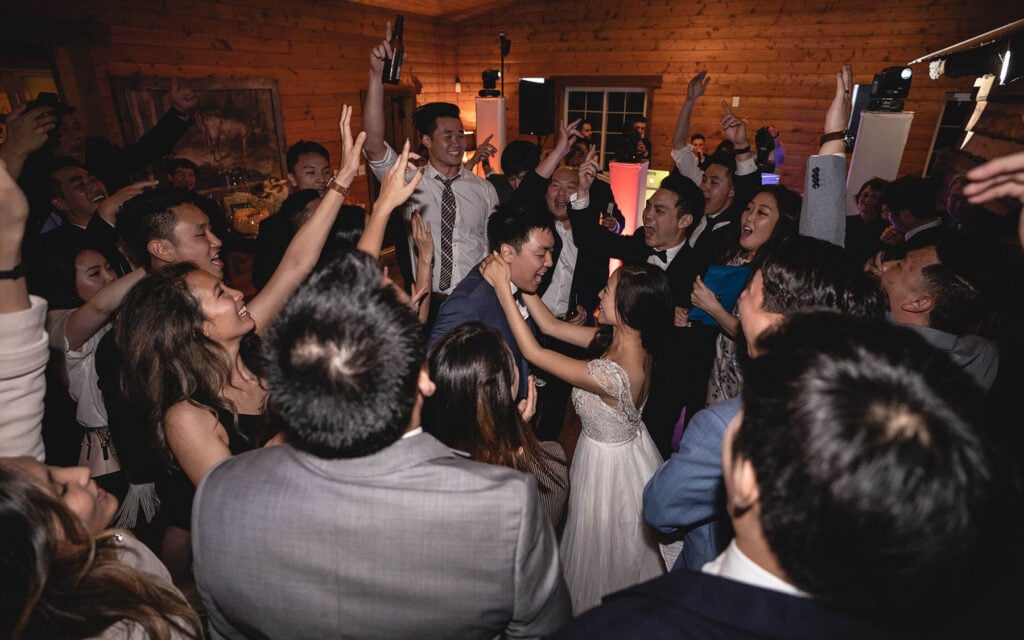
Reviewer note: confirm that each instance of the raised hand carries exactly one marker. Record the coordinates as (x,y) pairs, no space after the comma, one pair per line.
(397,186)
(586,173)
(496,272)
(697,85)
(27,129)
(734,129)
(999,178)
(351,150)
(110,207)
(838,114)
(381,52)
(184,99)
(484,152)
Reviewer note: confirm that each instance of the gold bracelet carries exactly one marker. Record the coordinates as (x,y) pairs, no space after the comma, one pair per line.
(333,185)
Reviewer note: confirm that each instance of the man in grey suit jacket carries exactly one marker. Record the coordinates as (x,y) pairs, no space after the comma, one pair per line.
(363,526)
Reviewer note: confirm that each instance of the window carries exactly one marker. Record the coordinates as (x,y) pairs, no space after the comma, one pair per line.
(607,109)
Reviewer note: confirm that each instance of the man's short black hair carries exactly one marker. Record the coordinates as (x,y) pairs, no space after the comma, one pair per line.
(59,163)
(519,156)
(880,492)
(425,118)
(180,163)
(725,158)
(691,198)
(343,360)
(913,193)
(291,158)
(149,216)
(801,273)
(697,136)
(511,224)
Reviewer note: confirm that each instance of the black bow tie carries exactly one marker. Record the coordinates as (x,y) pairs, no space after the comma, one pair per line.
(661,255)
(517,295)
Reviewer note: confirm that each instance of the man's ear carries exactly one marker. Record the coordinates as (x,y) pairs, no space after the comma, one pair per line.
(60,205)
(921,303)
(292,180)
(162,249)
(746,493)
(424,384)
(426,141)
(507,252)
(685,221)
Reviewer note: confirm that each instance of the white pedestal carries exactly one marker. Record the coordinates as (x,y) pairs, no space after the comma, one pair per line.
(490,121)
(877,152)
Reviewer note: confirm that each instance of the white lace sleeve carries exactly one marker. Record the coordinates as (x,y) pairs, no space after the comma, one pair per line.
(612,379)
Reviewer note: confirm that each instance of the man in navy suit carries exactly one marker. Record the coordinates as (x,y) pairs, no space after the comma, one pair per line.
(864,489)
(521,234)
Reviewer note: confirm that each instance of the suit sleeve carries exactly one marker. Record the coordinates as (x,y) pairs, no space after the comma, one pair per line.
(542,603)
(589,235)
(685,491)
(823,214)
(156,142)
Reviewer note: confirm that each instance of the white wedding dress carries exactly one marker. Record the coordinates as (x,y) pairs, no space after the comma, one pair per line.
(606,545)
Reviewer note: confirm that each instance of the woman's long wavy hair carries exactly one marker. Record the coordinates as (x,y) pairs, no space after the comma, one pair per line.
(166,357)
(61,582)
(643,301)
(474,408)
(789,204)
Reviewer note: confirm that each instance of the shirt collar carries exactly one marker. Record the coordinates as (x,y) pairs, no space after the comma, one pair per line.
(735,565)
(928,225)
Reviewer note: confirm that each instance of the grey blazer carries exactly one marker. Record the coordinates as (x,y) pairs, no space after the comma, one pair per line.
(823,215)
(412,541)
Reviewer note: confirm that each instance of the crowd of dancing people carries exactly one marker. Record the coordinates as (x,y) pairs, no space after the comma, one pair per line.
(771,420)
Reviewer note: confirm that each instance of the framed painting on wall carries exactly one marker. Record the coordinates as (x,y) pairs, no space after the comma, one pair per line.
(237,137)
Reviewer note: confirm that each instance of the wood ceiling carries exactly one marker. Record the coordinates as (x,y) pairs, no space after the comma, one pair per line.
(455,9)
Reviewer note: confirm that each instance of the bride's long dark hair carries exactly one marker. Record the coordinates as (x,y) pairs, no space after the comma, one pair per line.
(643,301)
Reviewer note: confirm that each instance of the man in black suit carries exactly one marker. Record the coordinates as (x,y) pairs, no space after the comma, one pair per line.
(865,490)
(909,204)
(672,211)
(521,234)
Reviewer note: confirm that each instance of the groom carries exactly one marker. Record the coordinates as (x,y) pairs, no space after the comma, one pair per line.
(522,235)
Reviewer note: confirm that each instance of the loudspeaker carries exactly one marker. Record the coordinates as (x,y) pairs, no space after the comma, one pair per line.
(536,107)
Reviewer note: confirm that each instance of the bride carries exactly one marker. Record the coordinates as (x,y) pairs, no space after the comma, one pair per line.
(606,545)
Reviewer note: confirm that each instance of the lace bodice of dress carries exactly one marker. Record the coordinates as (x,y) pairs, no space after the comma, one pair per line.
(602,422)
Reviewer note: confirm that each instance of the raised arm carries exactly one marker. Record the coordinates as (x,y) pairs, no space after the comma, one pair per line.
(27,131)
(373,106)
(823,211)
(566,134)
(394,190)
(694,90)
(13,215)
(304,250)
(572,333)
(424,265)
(89,318)
(574,372)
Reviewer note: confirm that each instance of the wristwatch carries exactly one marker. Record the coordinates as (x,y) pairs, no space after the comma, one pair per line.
(845,135)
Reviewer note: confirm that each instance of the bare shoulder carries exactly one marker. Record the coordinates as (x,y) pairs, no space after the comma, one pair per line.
(184,419)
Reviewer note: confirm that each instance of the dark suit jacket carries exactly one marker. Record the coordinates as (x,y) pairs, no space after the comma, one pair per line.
(474,299)
(690,604)
(115,166)
(722,232)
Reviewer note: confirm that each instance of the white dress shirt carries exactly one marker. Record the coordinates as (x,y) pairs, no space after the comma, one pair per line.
(735,565)
(475,199)
(916,230)
(557,295)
